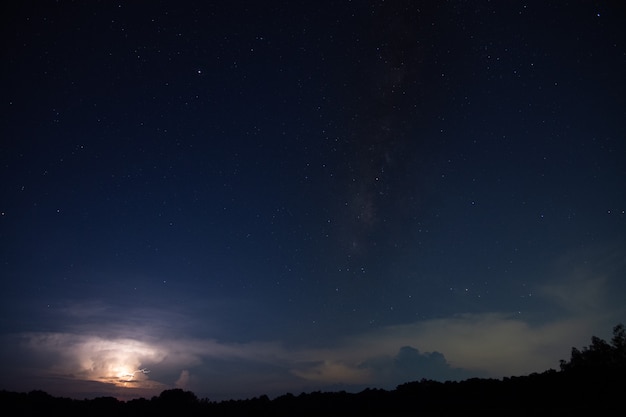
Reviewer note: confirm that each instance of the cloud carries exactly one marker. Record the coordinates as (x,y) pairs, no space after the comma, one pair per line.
(379,367)
(331,372)
(584,283)
(589,282)
(144,366)
(409,364)
(120,362)
(444,349)
(183,379)
(492,344)
(479,345)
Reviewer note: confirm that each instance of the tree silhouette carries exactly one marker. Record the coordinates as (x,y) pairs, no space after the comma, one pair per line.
(600,356)
(177,396)
(176,402)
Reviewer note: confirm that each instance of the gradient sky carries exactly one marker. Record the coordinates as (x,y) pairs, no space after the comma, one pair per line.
(240,199)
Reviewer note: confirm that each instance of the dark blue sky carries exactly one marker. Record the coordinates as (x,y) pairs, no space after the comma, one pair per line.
(248,199)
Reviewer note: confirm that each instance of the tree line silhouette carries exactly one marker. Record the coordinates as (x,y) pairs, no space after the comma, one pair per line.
(592,381)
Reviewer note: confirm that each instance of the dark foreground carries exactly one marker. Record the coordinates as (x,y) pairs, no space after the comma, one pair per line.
(592,381)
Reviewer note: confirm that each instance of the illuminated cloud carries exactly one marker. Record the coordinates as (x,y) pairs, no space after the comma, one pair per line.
(121,362)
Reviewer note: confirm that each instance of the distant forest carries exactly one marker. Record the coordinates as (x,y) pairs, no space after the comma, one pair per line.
(592,381)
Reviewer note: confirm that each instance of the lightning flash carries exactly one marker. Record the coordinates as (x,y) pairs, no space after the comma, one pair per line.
(131,375)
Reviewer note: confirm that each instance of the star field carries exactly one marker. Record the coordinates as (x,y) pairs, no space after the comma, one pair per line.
(244,199)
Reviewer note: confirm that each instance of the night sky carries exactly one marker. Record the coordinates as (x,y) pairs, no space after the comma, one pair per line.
(247,198)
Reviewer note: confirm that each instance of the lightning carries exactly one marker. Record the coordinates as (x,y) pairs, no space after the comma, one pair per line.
(131,375)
